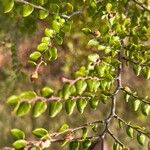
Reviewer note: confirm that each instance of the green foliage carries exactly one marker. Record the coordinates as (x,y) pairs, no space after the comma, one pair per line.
(115,34)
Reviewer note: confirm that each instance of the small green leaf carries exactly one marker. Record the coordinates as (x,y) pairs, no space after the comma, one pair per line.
(59,39)
(84,133)
(8,5)
(19,144)
(94,103)
(42,47)
(145,109)
(54,53)
(137,69)
(42,2)
(136,104)
(108,7)
(146,72)
(130,131)
(45,39)
(23,109)
(141,139)
(69,106)
(101,69)
(120,123)
(81,86)
(69,7)
(56,26)
(49,32)
(92,85)
(39,108)
(93,57)
(54,108)
(12,100)
(63,127)
(17,134)
(74,145)
(86,31)
(103,98)
(81,104)
(93,42)
(116,146)
(127,96)
(66,90)
(94,127)
(27,10)
(86,144)
(40,132)
(35,56)
(27,95)
(47,91)
(43,14)
(48,54)
(32,63)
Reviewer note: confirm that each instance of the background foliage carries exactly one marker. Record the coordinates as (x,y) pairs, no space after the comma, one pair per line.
(81,28)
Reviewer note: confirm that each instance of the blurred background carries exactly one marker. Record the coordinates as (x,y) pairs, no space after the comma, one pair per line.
(15,76)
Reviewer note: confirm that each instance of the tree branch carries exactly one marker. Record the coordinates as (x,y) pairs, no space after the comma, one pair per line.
(137,128)
(113,98)
(141,5)
(52,13)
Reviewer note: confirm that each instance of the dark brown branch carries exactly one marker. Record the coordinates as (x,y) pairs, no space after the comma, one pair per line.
(142,6)
(113,98)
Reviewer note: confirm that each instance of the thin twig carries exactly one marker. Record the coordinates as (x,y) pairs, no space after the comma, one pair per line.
(142,6)
(117,140)
(137,97)
(137,128)
(52,13)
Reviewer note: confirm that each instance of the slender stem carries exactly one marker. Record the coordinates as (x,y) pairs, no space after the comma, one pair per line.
(117,140)
(77,128)
(142,6)
(136,97)
(137,128)
(33,5)
(52,13)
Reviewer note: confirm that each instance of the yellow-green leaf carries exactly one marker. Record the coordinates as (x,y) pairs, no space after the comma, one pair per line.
(23,109)
(54,108)
(27,10)
(17,134)
(40,132)
(69,106)
(141,139)
(35,56)
(130,131)
(19,144)
(39,108)
(43,14)
(47,91)
(8,5)
(81,104)
(81,86)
